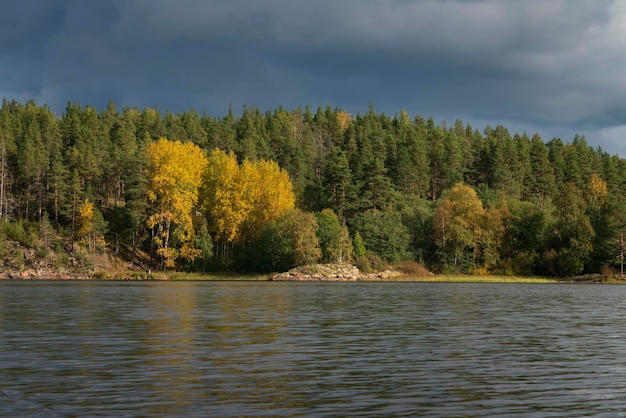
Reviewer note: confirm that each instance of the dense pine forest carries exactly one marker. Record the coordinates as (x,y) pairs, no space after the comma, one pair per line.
(266,191)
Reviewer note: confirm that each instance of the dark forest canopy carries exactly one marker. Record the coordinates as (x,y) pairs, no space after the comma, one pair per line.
(369,188)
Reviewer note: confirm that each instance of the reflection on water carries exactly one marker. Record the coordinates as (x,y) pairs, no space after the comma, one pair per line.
(311,349)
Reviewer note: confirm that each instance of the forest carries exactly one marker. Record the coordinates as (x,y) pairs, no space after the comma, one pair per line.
(264,191)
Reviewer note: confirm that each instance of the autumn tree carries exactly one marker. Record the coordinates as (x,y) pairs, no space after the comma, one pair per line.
(175,173)
(269,194)
(239,200)
(223,199)
(600,212)
(344,119)
(91,227)
(457,227)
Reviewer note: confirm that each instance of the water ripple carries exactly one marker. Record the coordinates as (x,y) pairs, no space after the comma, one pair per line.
(302,349)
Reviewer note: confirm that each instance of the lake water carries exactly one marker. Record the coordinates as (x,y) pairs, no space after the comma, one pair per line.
(230,349)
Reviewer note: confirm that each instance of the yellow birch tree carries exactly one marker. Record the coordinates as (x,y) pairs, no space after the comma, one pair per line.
(175,174)
(270,194)
(91,228)
(239,200)
(224,199)
(457,226)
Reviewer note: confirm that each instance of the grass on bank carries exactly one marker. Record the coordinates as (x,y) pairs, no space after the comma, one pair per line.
(432,278)
(176,275)
(408,272)
(219,276)
(443,278)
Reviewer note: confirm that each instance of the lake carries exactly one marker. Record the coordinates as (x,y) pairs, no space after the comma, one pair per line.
(264,349)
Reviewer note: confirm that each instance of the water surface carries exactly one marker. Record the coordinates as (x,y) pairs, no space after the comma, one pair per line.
(233,349)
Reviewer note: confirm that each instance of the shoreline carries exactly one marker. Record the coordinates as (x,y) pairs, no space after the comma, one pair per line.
(316,273)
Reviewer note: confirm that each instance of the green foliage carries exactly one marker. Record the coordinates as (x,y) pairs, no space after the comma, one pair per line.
(3,243)
(387,180)
(204,243)
(572,242)
(334,238)
(359,245)
(284,243)
(526,230)
(21,231)
(457,228)
(384,234)
(417,216)
(338,187)
(371,263)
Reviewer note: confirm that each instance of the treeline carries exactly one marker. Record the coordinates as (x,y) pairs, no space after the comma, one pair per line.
(369,188)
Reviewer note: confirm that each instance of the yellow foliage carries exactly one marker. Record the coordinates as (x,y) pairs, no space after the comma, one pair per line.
(87,232)
(239,200)
(270,192)
(597,192)
(344,119)
(224,195)
(176,173)
(459,217)
(85,219)
(188,252)
(169,256)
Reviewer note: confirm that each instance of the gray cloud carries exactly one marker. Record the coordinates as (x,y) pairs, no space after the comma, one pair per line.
(553,66)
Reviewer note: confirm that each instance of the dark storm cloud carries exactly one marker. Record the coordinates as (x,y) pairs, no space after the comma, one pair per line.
(553,66)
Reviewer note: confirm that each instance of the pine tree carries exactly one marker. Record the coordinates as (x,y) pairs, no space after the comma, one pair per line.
(337,181)
(541,184)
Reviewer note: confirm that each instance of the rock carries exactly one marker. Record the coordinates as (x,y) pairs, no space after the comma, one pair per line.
(330,272)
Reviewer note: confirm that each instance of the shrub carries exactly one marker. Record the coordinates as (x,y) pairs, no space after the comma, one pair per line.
(412,268)
(363,264)
(20,231)
(480,271)
(371,263)
(606,270)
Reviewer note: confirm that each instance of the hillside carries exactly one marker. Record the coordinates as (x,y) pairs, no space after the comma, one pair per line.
(266,191)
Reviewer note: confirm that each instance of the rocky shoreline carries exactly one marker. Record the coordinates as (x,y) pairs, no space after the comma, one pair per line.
(43,275)
(332,273)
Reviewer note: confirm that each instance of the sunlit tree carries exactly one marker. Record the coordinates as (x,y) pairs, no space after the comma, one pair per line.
(240,200)
(175,174)
(457,227)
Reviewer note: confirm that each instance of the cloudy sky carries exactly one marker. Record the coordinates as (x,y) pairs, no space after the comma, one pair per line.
(557,67)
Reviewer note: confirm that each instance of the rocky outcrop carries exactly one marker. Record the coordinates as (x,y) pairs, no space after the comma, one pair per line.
(41,274)
(331,273)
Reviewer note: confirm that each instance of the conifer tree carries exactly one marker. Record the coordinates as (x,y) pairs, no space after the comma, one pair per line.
(337,181)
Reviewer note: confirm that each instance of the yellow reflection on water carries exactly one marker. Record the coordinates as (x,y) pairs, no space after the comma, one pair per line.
(170,341)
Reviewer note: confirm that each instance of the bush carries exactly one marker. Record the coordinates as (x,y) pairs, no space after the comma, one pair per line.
(363,264)
(371,263)
(480,271)
(20,231)
(412,268)
(606,271)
